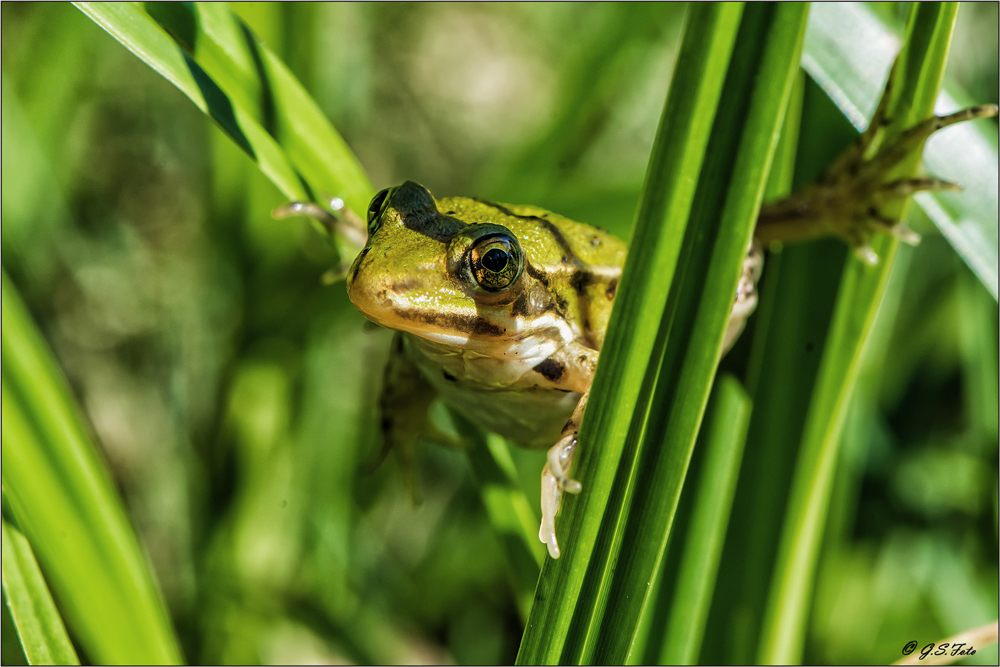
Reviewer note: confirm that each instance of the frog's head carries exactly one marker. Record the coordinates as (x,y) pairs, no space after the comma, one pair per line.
(452,277)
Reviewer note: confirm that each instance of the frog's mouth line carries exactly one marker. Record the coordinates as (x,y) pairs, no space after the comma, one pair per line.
(511,338)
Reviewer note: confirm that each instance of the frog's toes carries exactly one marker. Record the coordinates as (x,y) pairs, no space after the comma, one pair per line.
(556,480)
(551,499)
(847,201)
(306,208)
(341,221)
(560,457)
(905,187)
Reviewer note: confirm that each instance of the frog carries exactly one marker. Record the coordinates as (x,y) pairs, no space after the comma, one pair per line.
(501,309)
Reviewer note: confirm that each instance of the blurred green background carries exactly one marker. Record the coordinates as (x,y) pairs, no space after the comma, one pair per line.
(234,395)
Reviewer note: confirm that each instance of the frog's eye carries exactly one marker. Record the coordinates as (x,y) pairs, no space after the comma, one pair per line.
(495,261)
(375,210)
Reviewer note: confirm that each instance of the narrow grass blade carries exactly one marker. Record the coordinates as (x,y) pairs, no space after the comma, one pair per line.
(730,190)
(849,51)
(727,430)
(223,68)
(39,625)
(678,152)
(510,514)
(65,503)
(253,77)
(921,67)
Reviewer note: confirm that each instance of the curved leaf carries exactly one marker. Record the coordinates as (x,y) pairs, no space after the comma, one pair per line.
(214,59)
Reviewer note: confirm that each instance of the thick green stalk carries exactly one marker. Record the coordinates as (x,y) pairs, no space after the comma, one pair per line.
(678,152)
(730,190)
(727,431)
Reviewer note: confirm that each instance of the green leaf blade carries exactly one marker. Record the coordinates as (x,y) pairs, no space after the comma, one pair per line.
(731,186)
(236,80)
(726,434)
(39,626)
(64,501)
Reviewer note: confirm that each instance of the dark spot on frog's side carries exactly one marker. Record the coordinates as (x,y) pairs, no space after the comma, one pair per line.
(579,282)
(612,288)
(449,377)
(550,369)
(537,275)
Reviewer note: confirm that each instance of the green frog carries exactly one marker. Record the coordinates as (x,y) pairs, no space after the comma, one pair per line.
(502,309)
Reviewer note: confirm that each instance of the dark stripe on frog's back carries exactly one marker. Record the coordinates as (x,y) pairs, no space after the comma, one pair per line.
(556,233)
(569,254)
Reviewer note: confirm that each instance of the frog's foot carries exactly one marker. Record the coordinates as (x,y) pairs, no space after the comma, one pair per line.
(746,294)
(555,480)
(848,200)
(342,222)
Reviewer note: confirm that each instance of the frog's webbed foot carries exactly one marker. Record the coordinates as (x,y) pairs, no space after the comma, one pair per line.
(404,416)
(556,479)
(337,220)
(848,200)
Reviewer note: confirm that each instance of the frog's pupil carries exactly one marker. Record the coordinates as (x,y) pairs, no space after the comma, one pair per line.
(495,260)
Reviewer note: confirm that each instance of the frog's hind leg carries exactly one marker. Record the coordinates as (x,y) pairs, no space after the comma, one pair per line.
(403,416)
(555,477)
(847,201)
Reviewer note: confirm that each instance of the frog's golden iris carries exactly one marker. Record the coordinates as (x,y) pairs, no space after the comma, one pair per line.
(495,261)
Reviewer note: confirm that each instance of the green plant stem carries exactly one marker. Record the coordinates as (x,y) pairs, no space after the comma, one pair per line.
(919,73)
(727,430)
(730,190)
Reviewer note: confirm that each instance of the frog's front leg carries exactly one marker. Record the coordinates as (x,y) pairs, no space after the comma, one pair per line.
(575,364)
(342,222)
(555,476)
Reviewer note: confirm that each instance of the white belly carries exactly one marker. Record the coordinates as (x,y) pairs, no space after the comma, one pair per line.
(531,415)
